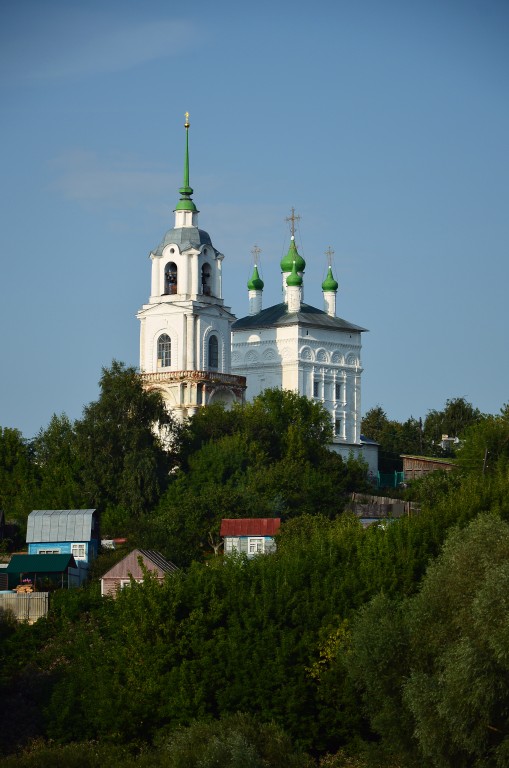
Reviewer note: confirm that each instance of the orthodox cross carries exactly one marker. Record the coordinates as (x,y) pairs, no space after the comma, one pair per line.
(256,253)
(329,253)
(186,124)
(293,218)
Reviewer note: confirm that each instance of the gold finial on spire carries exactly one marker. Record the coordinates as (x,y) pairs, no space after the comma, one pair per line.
(186,124)
(329,253)
(255,250)
(293,218)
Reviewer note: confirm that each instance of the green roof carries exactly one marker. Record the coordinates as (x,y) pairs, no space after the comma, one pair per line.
(255,283)
(292,256)
(40,563)
(330,285)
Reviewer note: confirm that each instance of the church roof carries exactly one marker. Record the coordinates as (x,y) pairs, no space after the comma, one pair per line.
(184,237)
(278,315)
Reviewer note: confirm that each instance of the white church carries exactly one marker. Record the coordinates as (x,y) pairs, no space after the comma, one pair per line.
(194,350)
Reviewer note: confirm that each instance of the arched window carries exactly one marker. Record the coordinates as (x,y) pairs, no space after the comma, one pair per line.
(213,352)
(170,278)
(205,279)
(164,351)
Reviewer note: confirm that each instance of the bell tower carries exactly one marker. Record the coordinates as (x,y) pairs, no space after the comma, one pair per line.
(185,347)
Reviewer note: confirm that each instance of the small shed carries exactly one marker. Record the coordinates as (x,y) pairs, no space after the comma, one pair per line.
(249,535)
(415,467)
(132,566)
(43,571)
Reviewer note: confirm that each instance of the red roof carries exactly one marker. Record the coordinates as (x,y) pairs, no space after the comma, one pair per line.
(250,526)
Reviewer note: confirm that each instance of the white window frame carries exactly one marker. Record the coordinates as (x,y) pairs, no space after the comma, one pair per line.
(256,545)
(49,552)
(77,548)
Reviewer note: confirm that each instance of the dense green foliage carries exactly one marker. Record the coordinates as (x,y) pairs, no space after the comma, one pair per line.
(384,646)
(415,437)
(268,458)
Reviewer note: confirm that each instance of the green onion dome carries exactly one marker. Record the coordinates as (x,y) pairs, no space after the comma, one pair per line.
(329,284)
(292,257)
(256,282)
(294,278)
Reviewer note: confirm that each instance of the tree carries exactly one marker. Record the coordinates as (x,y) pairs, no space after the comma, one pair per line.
(456,416)
(485,445)
(58,465)
(458,689)
(124,465)
(17,474)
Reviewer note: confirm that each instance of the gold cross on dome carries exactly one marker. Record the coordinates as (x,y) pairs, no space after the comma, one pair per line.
(293,218)
(186,125)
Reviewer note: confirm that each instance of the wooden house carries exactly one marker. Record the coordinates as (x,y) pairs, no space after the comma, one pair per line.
(250,536)
(65,532)
(133,566)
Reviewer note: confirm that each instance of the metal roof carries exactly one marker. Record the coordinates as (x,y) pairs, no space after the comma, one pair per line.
(40,563)
(184,237)
(45,525)
(308,316)
(250,526)
(129,564)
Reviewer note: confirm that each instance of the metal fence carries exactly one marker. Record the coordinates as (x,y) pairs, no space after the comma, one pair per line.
(28,607)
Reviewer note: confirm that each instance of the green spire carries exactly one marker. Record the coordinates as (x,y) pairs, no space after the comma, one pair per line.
(329,284)
(185,203)
(292,257)
(294,278)
(256,283)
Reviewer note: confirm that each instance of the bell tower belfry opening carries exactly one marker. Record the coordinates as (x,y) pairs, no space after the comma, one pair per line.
(185,334)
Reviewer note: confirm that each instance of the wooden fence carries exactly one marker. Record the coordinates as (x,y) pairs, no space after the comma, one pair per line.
(27,607)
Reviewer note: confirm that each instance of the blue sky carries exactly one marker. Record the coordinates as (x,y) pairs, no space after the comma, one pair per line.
(385,124)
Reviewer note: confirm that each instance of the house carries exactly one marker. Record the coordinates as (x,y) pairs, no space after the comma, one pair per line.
(40,572)
(65,532)
(250,536)
(133,566)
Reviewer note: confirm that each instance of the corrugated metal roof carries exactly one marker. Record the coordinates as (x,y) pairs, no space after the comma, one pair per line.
(129,564)
(250,526)
(308,316)
(40,563)
(59,525)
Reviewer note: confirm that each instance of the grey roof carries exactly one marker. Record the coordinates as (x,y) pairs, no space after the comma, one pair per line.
(184,237)
(59,525)
(308,316)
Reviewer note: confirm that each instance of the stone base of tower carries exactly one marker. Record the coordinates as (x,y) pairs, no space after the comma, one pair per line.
(185,392)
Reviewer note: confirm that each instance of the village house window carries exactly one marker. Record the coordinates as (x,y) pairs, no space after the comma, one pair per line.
(255,546)
(48,551)
(164,351)
(78,551)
